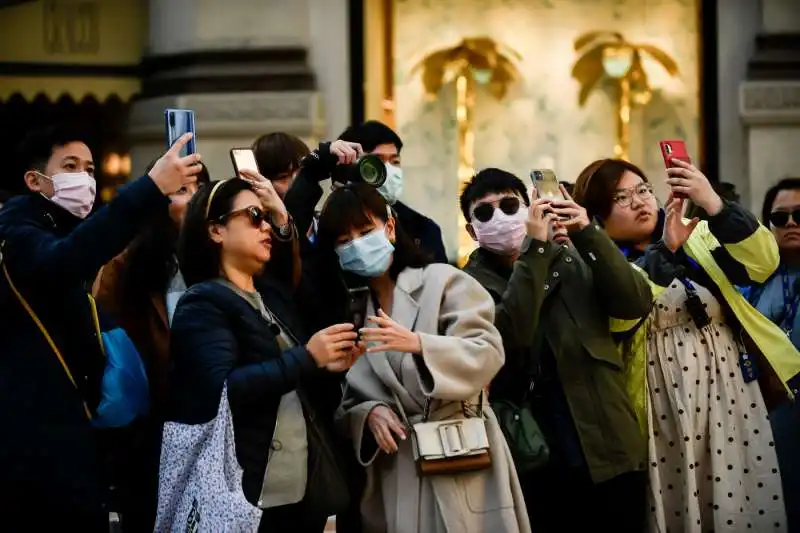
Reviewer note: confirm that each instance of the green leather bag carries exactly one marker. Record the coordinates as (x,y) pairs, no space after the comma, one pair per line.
(523,435)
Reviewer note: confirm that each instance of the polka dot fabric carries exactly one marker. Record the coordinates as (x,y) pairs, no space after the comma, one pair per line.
(713,465)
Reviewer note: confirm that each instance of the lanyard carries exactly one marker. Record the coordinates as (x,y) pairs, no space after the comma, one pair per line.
(789,303)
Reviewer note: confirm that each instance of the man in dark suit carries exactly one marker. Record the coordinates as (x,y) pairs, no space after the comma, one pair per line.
(375,138)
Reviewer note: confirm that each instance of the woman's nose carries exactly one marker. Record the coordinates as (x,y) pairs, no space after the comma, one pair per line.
(266,227)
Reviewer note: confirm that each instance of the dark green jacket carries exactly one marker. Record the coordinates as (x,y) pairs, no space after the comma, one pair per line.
(574,294)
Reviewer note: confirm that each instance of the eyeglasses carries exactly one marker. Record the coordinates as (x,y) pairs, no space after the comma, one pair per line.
(256,215)
(780,219)
(624,197)
(508,205)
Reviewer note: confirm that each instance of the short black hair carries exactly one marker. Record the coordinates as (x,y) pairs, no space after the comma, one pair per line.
(490,181)
(370,135)
(198,256)
(352,206)
(279,153)
(786,184)
(37,147)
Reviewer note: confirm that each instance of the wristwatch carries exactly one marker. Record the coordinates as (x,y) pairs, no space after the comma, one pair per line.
(286,231)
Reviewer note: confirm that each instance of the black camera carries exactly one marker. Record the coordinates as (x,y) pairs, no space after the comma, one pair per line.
(370,169)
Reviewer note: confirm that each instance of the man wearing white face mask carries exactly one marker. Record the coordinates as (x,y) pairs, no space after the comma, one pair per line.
(558,281)
(374,138)
(52,363)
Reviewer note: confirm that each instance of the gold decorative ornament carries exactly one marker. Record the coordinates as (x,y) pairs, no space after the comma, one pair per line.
(608,55)
(474,61)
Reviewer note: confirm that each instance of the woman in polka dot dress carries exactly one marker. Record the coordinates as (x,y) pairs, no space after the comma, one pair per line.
(713,465)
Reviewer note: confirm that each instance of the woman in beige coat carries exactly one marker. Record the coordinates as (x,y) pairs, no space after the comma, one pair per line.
(431,342)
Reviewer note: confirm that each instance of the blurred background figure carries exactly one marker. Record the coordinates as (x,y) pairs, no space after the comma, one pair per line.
(778,299)
(278,156)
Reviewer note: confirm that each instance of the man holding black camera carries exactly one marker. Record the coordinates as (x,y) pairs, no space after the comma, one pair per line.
(373,138)
(558,282)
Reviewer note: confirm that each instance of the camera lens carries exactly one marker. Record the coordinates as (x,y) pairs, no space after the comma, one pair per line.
(537,174)
(372,170)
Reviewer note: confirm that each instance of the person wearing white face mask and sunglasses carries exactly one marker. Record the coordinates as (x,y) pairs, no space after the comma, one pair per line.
(53,364)
(558,283)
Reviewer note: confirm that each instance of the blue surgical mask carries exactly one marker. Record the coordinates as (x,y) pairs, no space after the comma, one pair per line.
(392,188)
(368,256)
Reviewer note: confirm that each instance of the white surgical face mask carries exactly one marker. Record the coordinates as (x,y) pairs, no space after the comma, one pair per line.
(73,191)
(392,189)
(502,234)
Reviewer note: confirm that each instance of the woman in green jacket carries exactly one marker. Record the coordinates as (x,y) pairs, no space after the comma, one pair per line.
(712,458)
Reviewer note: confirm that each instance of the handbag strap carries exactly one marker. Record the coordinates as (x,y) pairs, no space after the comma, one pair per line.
(427,410)
(41,327)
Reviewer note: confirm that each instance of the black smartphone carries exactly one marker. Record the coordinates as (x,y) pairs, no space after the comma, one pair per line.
(178,122)
(358,299)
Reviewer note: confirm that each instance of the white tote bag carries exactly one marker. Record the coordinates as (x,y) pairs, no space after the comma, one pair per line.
(200,480)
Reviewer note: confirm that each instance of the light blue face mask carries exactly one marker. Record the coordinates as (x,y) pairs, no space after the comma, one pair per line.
(368,256)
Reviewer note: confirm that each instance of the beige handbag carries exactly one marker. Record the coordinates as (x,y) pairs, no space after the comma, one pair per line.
(449,446)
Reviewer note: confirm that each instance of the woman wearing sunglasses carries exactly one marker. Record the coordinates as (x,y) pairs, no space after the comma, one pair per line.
(778,299)
(712,458)
(236,328)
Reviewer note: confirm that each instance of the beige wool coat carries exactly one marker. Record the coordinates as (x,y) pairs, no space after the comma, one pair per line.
(461,353)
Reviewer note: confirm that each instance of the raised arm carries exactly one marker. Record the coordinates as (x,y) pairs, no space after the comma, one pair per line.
(98,239)
(623,291)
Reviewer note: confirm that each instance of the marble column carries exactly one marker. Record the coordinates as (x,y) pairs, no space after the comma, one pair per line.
(246,67)
(770,99)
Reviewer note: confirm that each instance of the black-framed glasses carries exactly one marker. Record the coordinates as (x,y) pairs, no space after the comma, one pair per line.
(254,214)
(624,197)
(780,219)
(508,205)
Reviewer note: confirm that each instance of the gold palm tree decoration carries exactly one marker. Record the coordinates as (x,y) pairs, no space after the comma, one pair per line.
(474,61)
(605,54)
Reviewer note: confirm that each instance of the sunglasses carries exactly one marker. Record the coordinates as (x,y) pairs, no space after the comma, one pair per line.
(256,215)
(508,205)
(780,219)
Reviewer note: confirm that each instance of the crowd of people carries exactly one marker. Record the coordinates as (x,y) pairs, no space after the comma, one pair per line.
(603,361)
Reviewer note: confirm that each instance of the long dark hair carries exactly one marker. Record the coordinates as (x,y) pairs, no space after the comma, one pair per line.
(150,261)
(353,206)
(198,256)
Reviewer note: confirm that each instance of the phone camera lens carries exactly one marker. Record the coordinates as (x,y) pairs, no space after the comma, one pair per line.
(538,175)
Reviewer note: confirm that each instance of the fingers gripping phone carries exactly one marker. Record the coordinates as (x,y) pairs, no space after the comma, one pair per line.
(546,184)
(358,300)
(244,159)
(674,150)
(178,122)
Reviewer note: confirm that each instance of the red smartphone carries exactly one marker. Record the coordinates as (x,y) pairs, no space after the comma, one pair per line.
(674,150)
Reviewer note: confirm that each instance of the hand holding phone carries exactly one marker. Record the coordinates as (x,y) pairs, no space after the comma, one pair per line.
(546,184)
(357,300)
(244,159)
(178,122)
(671,150)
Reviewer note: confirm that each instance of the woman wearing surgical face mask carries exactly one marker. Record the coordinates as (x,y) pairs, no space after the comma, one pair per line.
(431,341)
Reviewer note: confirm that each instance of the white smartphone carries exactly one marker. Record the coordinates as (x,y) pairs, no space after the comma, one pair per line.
(243,159)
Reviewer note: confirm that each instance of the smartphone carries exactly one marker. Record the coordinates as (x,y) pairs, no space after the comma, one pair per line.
(243,159)
(546,184)
(358,299)
(674,150)
(178,122)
